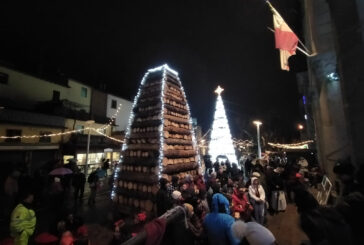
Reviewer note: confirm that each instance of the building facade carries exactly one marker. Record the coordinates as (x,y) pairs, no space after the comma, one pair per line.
(33,106)
(122,119)
(334,31)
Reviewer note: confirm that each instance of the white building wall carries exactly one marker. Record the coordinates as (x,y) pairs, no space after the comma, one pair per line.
(122,118)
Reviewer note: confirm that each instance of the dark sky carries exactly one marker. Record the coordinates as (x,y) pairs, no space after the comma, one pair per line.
(208,42)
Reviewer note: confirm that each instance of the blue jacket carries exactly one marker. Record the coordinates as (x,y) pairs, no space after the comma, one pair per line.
(218,225)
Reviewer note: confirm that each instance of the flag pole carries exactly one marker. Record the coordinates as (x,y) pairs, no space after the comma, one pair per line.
(298,48)
(306,51)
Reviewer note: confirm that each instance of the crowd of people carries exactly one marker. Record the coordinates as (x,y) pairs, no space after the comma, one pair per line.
(57,192)
(226,204)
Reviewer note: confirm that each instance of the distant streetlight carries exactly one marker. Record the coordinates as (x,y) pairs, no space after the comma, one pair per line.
(300,127)
(89,123)
(258,123)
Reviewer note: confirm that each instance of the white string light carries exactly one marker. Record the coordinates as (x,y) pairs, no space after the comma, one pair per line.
(161,129)
(127,135)
(112,119)
(300,145)
(107,136)
(43,135)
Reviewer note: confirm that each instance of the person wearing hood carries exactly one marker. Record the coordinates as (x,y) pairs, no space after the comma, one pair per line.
(253,233)
(23,220)
(241,206)
(218,223)
(257,195)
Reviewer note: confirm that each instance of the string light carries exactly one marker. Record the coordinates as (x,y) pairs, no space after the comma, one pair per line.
(112,119)
(300,145)
(161,128)
(127,135)
(43,135)
(109,137)
(59,134)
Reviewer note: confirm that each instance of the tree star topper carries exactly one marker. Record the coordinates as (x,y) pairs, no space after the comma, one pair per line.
(219,90)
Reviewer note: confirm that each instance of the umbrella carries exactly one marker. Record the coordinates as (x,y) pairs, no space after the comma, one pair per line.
(60,171)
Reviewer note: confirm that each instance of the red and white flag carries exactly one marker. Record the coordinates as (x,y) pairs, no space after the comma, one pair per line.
(286,40)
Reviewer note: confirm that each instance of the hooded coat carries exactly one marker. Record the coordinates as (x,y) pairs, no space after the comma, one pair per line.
(22,224)
(218,225)
(241,205)
(252,191)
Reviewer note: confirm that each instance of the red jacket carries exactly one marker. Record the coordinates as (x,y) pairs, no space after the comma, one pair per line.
(239,204)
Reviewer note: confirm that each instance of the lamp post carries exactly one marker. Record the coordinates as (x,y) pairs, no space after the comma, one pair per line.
(89,123)
(258,123)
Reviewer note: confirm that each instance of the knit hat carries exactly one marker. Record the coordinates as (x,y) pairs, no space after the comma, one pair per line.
(176,195)
(238,229)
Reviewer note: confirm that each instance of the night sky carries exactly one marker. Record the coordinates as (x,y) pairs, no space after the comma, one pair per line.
(207,42)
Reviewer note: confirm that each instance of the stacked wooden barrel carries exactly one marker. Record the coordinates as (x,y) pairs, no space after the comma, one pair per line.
(159,142)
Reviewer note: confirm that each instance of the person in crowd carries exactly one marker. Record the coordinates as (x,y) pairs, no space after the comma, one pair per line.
(11,184)
(23,220)
(202,207)
(252,233)
(174,184)
(257,195)
(216,166)
(78,182)
(177,198)
(199,183)
(351,206)
(324,225)
(241,206)
(345,171)
(67,238)
(187,230)
(163,200)
(218,223)
(93,181)
(235,173)
(222,176)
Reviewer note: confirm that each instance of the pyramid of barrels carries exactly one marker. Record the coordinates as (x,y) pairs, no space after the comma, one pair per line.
(159,142)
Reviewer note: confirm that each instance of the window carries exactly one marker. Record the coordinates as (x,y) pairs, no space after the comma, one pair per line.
(4,78)
(84,92)
(45,139)
(13,132)
(56,95)
(113,104)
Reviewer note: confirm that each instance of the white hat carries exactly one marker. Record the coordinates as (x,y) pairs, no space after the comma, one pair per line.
(176,195)
(256,174)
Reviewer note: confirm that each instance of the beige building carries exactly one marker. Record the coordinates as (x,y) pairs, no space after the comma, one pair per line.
(25,91)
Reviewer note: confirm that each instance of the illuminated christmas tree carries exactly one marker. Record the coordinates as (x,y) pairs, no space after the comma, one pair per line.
(221,143)
(159,141)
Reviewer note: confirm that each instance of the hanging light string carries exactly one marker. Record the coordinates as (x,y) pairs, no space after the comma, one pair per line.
(43,135)
(59,134)
(109,137)
(112,119)
(300,145)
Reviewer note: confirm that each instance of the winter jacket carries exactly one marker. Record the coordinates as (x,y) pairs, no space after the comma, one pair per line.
(22,224)
(252,191)
(218,225)
(240,204)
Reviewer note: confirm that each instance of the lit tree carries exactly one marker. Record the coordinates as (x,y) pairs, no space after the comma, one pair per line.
(221,142)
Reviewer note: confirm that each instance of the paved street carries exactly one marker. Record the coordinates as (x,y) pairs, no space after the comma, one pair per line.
(285,227)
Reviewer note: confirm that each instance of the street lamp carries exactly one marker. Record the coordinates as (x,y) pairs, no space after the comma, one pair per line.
(258,123)
(89,123)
